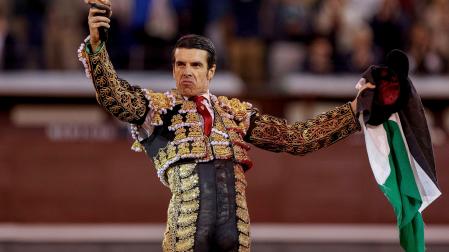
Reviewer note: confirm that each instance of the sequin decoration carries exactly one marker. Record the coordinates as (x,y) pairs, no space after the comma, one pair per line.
(243,221)
(183,209)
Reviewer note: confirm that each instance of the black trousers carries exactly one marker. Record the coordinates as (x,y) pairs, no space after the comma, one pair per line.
(217,221)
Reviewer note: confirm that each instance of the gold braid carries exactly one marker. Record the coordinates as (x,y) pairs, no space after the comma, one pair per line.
(274,134)
(126,102)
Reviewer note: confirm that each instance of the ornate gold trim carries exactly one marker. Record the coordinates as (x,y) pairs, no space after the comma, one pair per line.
(243,221)
(276,135)
(183,208)
(126,102)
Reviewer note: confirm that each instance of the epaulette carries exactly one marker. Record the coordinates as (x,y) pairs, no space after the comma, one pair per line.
(159,104)
(235,107)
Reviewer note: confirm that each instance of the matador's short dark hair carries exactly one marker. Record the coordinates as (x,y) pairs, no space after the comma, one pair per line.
(193,41)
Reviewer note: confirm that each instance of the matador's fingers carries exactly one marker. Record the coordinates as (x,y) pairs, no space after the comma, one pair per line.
(105,2)
(101,24)
(96,19)
(96,12)
(362,84)
(102,5)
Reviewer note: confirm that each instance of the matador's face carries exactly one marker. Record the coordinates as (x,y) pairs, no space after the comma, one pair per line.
(190,71)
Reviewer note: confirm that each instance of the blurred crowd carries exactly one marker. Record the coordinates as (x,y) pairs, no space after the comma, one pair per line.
(256,39)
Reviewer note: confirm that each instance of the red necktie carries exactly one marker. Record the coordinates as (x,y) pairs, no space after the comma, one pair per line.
(204,113)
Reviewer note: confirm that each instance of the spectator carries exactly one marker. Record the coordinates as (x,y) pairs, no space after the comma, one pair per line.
(120,34)
(319,57)
(246,46)
(31,13)
(192,15)
(424,59)
(217,30)
(290,28)
(353,18)
(389,27)
(63,23)
(329,24)
(362,53)
(154,29)
(9,59)
(436,16)
(256,39)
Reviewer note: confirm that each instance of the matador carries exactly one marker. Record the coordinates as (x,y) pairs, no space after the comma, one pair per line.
(199,142)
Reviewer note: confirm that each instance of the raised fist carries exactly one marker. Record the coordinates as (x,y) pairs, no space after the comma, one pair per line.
(98,19)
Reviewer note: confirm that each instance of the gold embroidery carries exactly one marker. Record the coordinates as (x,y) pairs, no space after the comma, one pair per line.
(183,149)
(239,152)
(184,245)
(241,156)
(239,175)
(237,108)
(276,135)
(126,102)
(190,206)
(183,208)
(222,152)
(185,170)
(160,102)
(184,232)
(199,148)
(191,194)
(173,211)
(171,152)
(188,106)
(195,131)
(180,134)
(176,119)
(243,249)
(240,187)
(234,132)
(218,138)
(189,183)
(192,118)
(183,180)
(242,227)
(241,201)
(242,214)
(229,124)
(244,240)
(173,180)
(156,163)
(207,151)
(167,241)
(162,157)
(242,209)
(187,219)
(218,125)
(157,119)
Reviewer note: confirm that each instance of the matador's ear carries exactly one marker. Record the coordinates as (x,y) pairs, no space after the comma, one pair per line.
(211,72)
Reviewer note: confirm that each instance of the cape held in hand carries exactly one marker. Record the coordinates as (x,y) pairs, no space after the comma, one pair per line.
(399,146)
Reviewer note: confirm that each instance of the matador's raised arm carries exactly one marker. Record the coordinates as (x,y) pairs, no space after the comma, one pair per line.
(275,134)
(124,101)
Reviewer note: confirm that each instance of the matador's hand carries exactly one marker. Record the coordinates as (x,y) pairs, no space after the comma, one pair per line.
(360,86)
(98,17)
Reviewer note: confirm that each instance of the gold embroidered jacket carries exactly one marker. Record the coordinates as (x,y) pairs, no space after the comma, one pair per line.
(178,143)
(131,104)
